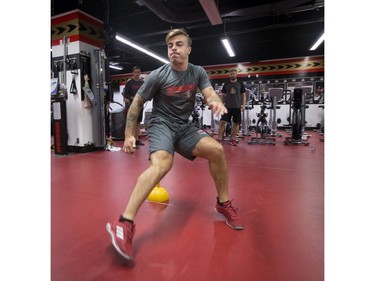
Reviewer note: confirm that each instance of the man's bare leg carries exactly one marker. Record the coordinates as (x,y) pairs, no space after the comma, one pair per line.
(220,133)
(211,150)
(161,163)
(235,130)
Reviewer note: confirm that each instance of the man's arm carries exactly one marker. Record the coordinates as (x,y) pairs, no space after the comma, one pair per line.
(243,91)
(127,89)
(133,113)
(214,101)
(131,121)
(223,92)
(243,101)
(126,94)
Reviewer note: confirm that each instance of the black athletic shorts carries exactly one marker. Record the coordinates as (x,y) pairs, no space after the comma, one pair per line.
(180,137)
(234,113)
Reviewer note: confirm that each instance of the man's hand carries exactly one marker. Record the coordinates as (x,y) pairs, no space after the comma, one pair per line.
(218,108)
(129,144)
(214,101)
(131,121)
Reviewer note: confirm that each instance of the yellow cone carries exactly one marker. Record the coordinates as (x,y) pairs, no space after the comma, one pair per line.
(158,194)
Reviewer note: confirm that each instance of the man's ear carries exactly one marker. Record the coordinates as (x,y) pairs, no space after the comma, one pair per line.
(189,51)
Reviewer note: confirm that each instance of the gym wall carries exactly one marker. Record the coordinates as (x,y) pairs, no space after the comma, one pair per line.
(259,77)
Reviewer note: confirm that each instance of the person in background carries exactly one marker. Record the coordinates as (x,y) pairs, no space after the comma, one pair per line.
(108,98)
(173,87)
(234,98)
(131,88)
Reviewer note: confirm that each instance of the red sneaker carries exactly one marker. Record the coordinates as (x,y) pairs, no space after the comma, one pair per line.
(233,142)
(122,235)
(230,214)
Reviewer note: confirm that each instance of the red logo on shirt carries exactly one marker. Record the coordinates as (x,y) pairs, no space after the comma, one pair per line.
(181,90)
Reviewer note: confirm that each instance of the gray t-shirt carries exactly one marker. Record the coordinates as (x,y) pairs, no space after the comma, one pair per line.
(173,92)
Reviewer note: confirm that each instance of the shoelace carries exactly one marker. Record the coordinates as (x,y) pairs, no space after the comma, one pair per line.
(232,210)
(130,234)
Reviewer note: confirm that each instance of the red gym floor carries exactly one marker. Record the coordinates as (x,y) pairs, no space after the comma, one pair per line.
(279,191)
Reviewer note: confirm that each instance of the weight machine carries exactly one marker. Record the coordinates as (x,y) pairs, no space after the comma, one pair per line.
(298,108)
(321,128)
(196,117)
(214,123)
(84,112)
(275,94)
(198,113)
(245,129)
(262,128)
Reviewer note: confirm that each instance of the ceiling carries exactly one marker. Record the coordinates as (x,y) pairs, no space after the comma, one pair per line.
(258,30)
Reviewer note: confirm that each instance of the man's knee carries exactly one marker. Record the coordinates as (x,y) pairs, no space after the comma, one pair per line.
(217,150)
(209,148)
(162,161)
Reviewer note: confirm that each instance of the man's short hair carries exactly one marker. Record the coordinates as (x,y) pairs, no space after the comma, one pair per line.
(136,67)
(178,31)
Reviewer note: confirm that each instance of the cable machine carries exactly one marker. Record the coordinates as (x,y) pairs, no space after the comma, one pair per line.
(298,108)
(58,106)
(84,101)
(275,94)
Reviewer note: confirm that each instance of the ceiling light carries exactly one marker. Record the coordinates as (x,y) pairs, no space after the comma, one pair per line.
(228,46)
(116,67)
(211,11)
(317,43)
(136,46)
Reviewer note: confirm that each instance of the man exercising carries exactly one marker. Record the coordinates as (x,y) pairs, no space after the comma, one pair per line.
(173,87)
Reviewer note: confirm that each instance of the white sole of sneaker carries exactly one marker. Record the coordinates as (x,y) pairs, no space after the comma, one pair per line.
(109,230)
(226,221)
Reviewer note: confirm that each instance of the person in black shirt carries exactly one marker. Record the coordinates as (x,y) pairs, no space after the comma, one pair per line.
(234,98)
(131,88)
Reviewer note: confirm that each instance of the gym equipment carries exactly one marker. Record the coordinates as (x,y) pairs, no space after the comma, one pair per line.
(202,107)
(262,129)
(158,194)
(246,120)
(59,97)
(85,105)
(321,127)
(198,112)
(275,94)
(228,130)
(227,133)
(214,123)
(298,105)
(59,124)
(196,119)
(118,122)
(287,100)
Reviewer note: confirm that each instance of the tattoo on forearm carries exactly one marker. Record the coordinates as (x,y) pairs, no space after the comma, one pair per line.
(133,113)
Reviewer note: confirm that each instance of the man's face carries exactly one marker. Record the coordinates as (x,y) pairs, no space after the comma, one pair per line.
(136,73)
(178,49)
(232,75)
